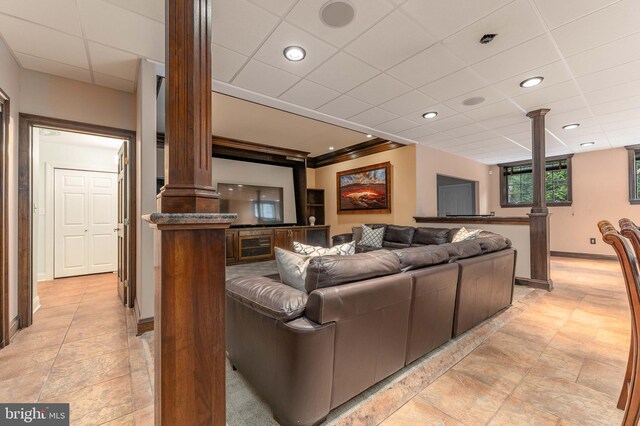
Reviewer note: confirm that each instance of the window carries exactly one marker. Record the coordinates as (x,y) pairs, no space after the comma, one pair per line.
(634,174)
(516,183)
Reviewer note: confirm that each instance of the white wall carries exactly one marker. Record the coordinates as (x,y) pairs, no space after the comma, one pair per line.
(59,155)
(10,84)
(146,182)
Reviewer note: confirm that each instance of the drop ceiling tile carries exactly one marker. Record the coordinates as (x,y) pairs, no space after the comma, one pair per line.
(278,7)
(306,14)
(408,103)
(443,18)
(427,66)
(54,68)
(153,9)
(390,42)
(240,25)
(344,106)
(460,82)
(309,94)
(379,89)
(396,125)
(609,55)
(434,139)
(567,105)
(61,15)
(614,93)
(619,116)
(504,120)
(608,24)
(539,98)
(442,110)
(271,52)
(514,23)
(489,94)
(417,132)
(342,72)
(514,129)
(616,106)
(555,120)
(553,73)
(497,109)
(134,33)
(527,56)
(466,130)
(113,62)
(373,117)
(556,13)
(610,77)
(114,82)
(265,79)
(36,40)
(448,123)
(225,63)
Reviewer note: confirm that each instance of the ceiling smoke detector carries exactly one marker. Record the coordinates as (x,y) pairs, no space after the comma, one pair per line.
(337,14)
(473,101)
(487,38)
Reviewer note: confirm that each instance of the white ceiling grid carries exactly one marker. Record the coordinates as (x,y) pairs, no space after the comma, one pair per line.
(396,60)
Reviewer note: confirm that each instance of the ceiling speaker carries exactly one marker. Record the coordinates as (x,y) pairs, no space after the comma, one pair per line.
(337,13)
(473,101)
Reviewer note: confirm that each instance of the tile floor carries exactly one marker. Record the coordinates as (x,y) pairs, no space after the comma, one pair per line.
(561,361)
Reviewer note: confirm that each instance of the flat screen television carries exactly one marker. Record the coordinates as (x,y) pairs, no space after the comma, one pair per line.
(254,204)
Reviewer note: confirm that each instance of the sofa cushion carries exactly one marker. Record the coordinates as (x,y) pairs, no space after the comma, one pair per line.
(268,296)
(328,271)
(339,250)
(292,267)
(492,243)
(372,237)
(399,234)
(356,231)
(394,246)
(421,257)
(427,236)
(463,249)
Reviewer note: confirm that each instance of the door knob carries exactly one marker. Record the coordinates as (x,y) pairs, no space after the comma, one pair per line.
(115,229)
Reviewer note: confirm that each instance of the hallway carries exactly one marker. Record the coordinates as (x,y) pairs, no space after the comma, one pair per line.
(81,349)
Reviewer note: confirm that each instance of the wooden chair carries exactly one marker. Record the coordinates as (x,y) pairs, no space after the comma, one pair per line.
(630,394)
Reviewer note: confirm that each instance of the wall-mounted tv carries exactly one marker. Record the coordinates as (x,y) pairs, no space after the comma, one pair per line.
(254,204)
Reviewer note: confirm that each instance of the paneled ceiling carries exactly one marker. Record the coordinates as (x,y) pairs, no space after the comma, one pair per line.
(396,60)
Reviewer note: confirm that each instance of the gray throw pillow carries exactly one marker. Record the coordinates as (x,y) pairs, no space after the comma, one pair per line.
(372,237)
(292,268)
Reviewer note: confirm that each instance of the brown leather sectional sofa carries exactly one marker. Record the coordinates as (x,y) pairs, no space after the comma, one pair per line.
(361,319)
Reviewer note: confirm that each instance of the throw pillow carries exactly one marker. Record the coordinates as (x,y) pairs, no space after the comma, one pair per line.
(464,234)
(339,250)
(292,268)
(372,237)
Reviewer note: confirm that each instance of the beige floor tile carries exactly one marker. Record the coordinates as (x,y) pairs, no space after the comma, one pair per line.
(602,377)
(23,388)
(554,363)
(516,412)
(91,347)
(14,362)
(142,392)
(493,369)
(418,412)
(145,416)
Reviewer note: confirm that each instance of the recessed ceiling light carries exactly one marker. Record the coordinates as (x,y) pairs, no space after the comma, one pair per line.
(369,136)
(239,186)
(530,82)
(571,126)
(587,143)
(230,189)
(331,148)
(294,53)
(430,114)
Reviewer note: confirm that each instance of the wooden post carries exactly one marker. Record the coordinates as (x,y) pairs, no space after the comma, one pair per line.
(190,235)
(539,216)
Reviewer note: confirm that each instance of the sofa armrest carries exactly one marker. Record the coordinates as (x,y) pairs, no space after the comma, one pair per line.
(339,302)
(342,239)
(268,296)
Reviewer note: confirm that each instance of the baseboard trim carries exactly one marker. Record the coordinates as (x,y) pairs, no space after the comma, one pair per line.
(530,282)
(36,304)
(14,326)
(142,324)
(589,256)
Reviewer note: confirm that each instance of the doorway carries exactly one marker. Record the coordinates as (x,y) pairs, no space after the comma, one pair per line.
(456,197)
(75,201)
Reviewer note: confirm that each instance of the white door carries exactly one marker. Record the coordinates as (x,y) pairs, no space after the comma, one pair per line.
(85,222)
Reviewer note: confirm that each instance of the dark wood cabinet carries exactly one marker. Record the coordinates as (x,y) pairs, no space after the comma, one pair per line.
(254,244)
(315,205)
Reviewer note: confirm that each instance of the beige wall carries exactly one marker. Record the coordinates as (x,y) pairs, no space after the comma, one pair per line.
(10,84)
(430,163)
(600,191)
(57,97)
(403,196)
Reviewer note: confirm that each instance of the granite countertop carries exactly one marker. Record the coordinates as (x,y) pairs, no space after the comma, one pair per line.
(189,218)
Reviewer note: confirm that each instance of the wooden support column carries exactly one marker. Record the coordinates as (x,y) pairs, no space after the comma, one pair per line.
(539,216)
(189,248)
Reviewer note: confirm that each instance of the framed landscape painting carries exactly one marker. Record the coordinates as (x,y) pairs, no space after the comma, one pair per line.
(364,190)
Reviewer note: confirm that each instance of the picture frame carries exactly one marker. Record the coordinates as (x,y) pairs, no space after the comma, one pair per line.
(365,190)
